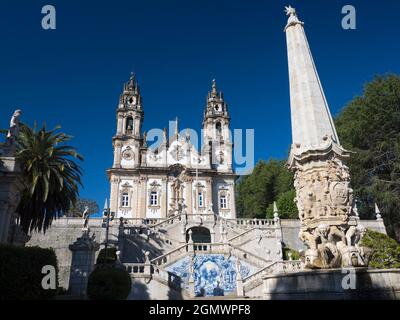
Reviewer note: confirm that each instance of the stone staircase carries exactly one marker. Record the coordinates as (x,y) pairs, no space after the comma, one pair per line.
(239,240)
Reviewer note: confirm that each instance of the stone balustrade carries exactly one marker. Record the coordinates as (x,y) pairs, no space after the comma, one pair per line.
(139,270)
(277,267)
(261,223)
(170,256)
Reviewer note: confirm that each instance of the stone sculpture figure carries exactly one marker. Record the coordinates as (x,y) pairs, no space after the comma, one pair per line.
(14,126)
(85,216)
(9,147)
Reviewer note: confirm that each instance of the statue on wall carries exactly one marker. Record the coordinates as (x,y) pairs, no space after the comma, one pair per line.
(85,216)
(12,133)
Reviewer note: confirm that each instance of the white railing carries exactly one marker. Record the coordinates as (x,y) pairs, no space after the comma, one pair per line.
(241,237)
(263,223)
(165,258)
(251,257)
(277,267)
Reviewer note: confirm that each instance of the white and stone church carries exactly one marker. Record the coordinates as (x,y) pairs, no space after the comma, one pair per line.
(174,176)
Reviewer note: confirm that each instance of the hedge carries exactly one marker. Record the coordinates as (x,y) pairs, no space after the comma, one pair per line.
(21,272)
(106,256)
(386,251)
(109,283)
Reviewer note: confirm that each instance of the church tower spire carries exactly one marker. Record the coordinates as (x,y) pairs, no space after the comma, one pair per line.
(128,139)
(216,129)
(312,124)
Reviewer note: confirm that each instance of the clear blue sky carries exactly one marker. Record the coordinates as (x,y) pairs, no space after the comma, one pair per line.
(73,76)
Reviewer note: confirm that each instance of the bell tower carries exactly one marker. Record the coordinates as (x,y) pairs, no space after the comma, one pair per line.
(216,131)
(128,139)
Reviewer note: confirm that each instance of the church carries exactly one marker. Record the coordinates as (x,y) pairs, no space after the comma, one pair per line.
(173,177)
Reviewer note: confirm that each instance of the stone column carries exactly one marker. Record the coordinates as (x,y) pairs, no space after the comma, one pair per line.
(83,259)
(164,198)
(189,194)
(143,197)
(9,195)
(114,194)
(209,192)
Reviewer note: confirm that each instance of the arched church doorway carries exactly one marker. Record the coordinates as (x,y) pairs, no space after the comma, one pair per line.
(199,235)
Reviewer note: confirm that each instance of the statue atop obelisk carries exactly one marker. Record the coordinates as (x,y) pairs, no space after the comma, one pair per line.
(323,195)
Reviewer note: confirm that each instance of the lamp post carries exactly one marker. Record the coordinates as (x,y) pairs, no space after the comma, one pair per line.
(107,217)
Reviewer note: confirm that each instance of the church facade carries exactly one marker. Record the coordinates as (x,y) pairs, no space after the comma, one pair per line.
(174,177)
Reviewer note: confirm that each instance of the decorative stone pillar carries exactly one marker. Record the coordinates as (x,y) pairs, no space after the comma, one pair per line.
(239,280)
(192,292)
(323,195)
(190,241)
(147,267)
(83,259)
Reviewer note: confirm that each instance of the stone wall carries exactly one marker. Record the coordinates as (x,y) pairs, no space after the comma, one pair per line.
(59,236)
(328,284)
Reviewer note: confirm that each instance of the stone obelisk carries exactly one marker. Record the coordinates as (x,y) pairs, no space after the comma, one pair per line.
(323,195)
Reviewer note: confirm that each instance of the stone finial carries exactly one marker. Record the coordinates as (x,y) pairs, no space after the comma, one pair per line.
(106,207)
(145,139)
(214,87)
(276,212)
(146,257)
(377,212)
(290,256)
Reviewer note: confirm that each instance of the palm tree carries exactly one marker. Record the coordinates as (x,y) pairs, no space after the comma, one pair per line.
(50,176)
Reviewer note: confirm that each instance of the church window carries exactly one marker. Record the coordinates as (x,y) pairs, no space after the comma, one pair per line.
(218,127)
(129,125)
(125,200)
(154,198)
(201,200)
(223,202)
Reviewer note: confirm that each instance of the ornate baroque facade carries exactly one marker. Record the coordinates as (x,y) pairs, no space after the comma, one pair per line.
(173,177)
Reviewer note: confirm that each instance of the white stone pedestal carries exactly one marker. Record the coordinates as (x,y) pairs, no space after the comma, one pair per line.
(83,256)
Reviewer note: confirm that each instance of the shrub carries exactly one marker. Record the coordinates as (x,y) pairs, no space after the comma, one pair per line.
(109,283)
(386,251)
(21,272)
(107,256)
(295,254)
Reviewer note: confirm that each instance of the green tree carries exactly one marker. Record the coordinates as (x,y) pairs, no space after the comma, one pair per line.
(262,187)
(370,126)
(50,176)
(287,208)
